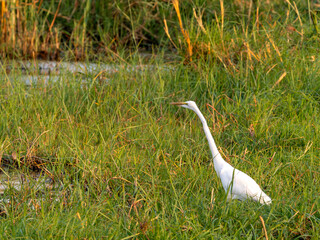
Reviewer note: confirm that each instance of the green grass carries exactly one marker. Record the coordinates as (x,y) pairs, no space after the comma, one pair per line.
(127,165)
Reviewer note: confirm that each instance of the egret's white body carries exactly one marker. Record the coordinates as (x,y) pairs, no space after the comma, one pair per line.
(237,184)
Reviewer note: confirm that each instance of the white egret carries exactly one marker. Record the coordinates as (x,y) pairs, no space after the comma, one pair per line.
(236,184)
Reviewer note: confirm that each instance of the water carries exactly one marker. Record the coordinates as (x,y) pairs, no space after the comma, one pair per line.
(18,181)
(34,72)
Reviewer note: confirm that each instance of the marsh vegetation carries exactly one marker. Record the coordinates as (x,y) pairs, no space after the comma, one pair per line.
(124,164)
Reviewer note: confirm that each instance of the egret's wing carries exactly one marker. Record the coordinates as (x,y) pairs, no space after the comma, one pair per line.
(242,184)
(245,186)
(239,185)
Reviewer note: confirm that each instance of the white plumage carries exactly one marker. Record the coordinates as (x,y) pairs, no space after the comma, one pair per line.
(237,184)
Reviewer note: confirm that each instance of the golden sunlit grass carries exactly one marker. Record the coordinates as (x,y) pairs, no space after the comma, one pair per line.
(23,34)
(233,46)
(35,29)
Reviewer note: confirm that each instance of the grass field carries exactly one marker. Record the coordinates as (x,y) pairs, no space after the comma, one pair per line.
(127,165)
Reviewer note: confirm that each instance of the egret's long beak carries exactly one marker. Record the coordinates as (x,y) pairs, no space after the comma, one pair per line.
(179,103)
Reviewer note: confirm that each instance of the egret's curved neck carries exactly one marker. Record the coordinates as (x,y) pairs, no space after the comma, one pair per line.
(217,159)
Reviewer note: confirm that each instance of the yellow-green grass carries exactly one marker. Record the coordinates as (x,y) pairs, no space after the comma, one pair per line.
(127,163)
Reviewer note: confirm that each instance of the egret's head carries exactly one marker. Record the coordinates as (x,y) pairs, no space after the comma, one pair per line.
(188,104)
